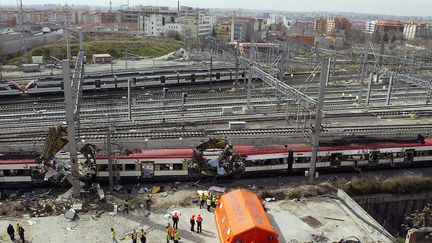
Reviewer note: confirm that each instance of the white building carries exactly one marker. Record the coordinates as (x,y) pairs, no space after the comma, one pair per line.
(204,23)
(190,23)
(370,26)
(153,25)
(411,30)
(170,27)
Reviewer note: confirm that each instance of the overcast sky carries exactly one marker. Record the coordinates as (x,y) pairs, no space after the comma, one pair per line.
(393,7)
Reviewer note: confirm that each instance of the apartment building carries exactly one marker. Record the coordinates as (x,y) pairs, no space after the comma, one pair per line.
(320,25)
(371,26)
(331,25)
(338,24)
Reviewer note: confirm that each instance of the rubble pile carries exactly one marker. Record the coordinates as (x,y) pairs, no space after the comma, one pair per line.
(42,203)
(49,207)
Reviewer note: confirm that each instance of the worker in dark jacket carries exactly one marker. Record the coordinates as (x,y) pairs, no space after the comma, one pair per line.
(21,234)
(126,206)
(199,223)
(148,202)
(192,222)
(11,232)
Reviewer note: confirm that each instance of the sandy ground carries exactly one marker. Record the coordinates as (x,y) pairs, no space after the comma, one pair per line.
(285,215)
(89,229)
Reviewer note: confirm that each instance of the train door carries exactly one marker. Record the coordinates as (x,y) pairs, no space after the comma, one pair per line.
(409,155)
(61,86)
(290,160)
(335,160)
(374,157)
(147,169)
(193,78)
(218,75)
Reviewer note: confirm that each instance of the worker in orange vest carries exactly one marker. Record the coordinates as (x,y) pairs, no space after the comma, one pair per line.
(199,222)
(192,222)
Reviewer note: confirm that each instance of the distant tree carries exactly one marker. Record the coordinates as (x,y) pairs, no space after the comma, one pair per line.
(376,37)
(385,38)
(358,36)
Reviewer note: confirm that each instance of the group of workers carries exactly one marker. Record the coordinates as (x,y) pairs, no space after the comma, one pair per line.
(11,232)
(172,232)
(210,200)
(134,236)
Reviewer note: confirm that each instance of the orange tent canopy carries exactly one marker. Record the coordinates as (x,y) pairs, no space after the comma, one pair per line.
(240,218)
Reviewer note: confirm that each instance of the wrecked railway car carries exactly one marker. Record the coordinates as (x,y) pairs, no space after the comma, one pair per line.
(167,164)
(176,163)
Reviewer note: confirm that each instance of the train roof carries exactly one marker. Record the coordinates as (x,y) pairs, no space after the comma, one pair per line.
(18,156)
(272,149)
(17,162)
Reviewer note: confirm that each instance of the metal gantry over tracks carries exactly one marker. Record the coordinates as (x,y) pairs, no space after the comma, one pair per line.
(274,78)
(72,92)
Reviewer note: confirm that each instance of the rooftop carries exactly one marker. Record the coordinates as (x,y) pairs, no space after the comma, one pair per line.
(101,55)
(324,219)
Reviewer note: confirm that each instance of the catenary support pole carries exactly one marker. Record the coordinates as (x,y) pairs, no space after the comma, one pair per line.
(126,57)
(110,162)
(70,120)
(363,71)
(389,92)
(81,38)
(369,90)
(237,53)
(325,68)
(211,72)
(129,99)
(249,83)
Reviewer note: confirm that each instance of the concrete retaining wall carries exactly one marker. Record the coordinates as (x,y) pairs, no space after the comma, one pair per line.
(390,210)
(11,44)
(362,214)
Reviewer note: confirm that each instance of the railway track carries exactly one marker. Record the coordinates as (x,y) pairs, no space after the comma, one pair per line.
(333,99)
(150,135)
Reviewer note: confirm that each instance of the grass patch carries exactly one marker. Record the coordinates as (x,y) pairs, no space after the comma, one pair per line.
(269,194)
(294,194)
(114,44)
(397,185)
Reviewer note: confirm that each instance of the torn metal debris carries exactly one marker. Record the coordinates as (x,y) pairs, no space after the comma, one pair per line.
(224,159)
